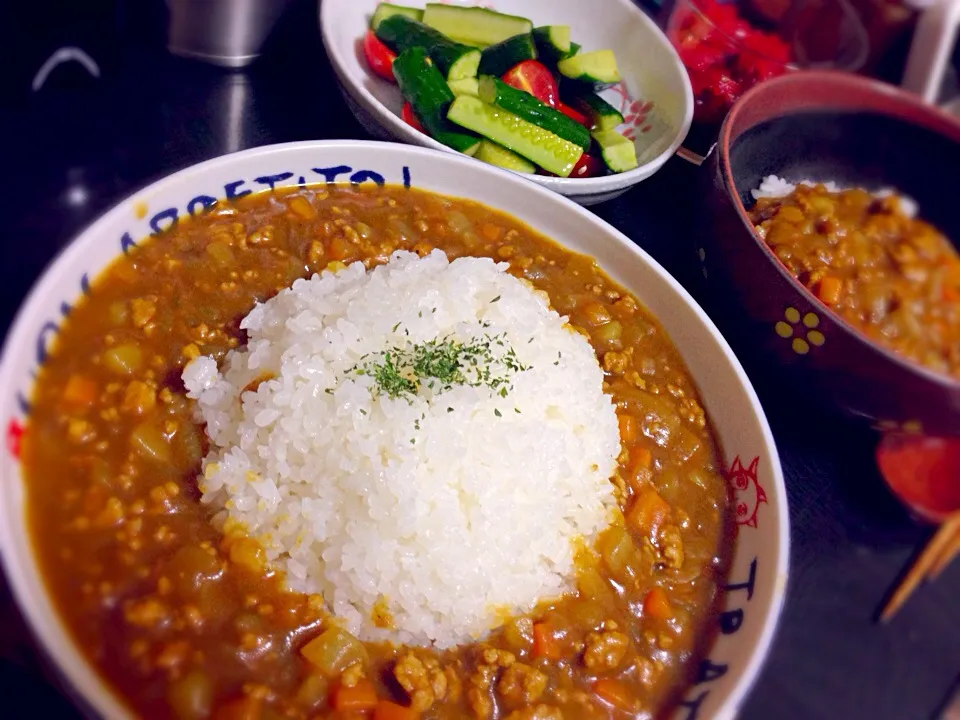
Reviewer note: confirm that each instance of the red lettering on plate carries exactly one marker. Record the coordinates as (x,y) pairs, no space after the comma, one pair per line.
(748,493)
(14,436)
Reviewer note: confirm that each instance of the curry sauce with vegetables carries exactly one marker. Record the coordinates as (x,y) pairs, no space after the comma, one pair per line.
(893,277)
(187,623)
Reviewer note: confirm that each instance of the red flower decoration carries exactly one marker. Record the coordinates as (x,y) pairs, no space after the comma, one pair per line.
(14,438)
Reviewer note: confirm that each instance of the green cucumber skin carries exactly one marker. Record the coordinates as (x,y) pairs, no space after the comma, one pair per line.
(602,115)
(499,58)
(547,150)
(585,83)
(560,79)
(474,25)
(616,163)
(385,10)
(597,68)
(619,153)
(550,50)
(497,155)
(570,87)
(453,59)
(496,92)
(461,142)
(423,86)
(466,66)
(470,43)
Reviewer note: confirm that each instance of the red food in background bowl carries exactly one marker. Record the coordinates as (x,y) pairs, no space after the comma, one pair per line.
(924,472)
(724,54)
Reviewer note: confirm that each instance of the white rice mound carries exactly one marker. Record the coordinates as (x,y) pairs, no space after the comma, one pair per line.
(453,508)
(773,186)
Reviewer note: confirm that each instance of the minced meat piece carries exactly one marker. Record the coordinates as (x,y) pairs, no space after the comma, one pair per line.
(605,650)
(521,684)
(424,680)
(671,546)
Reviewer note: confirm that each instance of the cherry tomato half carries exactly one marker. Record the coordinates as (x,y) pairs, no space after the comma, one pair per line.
(587,166)
(573,114)
(379,57)
(410,118)
(534,78)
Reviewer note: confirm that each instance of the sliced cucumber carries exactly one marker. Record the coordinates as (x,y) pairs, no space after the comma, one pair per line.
(602,115)
(553,43)
(474,25)
(465,67)
(459,141)
(477,45)
(496,92)
(424,87)
(454,60)
(385,10)
(540,146)
(618,152)
(499,58)
(574,49)
(468,86)
(498,155)
(596,68)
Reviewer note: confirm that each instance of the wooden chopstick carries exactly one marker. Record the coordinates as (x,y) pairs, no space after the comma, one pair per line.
(947,555)
(939,552)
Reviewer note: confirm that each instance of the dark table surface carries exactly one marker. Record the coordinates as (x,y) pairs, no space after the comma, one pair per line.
(69,155)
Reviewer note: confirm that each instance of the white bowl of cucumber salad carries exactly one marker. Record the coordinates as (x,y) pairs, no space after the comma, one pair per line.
(584,98)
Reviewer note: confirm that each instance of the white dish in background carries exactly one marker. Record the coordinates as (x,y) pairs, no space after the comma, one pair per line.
(952,107)
(934,41)
(651,70)
(750,604)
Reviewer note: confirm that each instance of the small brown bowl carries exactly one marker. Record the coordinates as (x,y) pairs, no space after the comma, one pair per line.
(858,132)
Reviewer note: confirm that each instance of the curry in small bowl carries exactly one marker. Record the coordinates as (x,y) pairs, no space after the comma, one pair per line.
(892,276)
(832,227)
